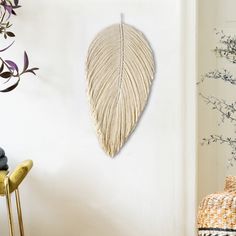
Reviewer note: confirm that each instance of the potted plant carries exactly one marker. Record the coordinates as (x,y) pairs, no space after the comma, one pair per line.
(10,73)
(217,212)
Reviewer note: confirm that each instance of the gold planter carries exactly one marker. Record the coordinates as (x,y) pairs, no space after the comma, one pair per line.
(9,183)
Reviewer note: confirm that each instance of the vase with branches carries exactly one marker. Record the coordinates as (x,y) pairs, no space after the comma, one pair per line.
(225,109)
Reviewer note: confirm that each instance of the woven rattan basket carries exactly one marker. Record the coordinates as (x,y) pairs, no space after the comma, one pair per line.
(217,212)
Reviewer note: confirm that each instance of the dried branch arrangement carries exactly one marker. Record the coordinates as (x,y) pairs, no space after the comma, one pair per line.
(120,70)
(225,109)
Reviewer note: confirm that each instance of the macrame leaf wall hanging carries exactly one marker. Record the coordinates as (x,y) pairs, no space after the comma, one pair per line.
(120,70)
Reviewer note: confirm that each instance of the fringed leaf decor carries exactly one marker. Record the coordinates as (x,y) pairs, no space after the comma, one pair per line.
(120,70)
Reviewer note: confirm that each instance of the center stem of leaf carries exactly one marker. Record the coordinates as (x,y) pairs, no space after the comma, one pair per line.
(121,60)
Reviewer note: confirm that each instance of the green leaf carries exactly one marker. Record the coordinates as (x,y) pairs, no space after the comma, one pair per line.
(6,74)
(10,34)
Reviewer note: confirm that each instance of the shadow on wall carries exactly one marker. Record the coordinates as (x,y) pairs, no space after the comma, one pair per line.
(65,213)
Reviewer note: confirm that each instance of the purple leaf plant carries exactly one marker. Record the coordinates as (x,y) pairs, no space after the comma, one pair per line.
(8,68)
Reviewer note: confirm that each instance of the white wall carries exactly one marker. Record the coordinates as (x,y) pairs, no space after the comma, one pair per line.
(74,188)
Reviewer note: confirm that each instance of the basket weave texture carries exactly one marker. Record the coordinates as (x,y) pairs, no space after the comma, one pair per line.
(217,212)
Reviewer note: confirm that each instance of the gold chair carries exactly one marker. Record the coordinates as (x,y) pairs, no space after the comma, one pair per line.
(9,183)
